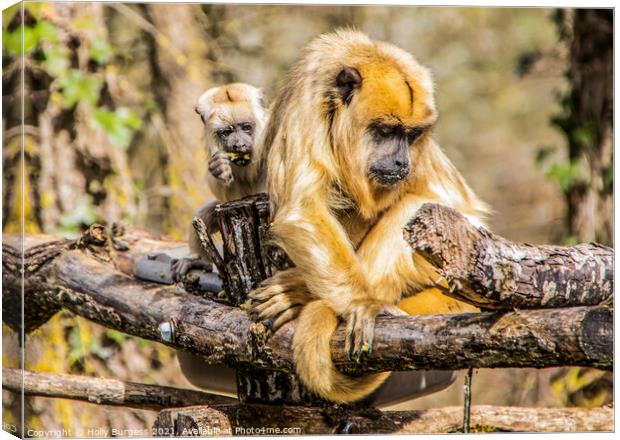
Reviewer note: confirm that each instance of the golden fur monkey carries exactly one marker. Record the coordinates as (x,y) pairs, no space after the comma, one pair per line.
(234,117)
(351,159)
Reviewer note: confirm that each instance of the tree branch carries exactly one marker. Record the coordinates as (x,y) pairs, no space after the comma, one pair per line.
(493,273)
(105,391)
(240,419)
(83,277)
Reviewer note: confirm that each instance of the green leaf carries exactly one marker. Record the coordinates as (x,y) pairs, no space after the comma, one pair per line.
(79,87)
(100,50)
(83,214)
(41,31)
(113,126)
(566,174)
(129,117)
(585,135)
(119,125)
(31,38)
(12,42)
(46,31)
(56,61)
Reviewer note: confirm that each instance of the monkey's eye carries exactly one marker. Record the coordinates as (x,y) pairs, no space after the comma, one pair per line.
(247,128)
(414,134)
(225,132)
(385,130)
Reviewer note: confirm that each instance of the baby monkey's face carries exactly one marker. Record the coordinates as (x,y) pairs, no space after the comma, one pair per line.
(237,141)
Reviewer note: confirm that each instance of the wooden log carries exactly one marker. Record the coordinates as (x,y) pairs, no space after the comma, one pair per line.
(93,288)
(249,254)
(512,419)
(493,273)
(105,391)
(241,266)
(337,419)
(35,305)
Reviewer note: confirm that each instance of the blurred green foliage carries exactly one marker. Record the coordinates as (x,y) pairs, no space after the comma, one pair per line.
(75,58)
(565,174)
(77,85)
(119,124)
(100,51)
(82,216)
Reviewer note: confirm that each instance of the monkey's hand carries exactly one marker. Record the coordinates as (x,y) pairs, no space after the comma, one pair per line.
(219,167)
(360,328)
(180,266)
(278,299)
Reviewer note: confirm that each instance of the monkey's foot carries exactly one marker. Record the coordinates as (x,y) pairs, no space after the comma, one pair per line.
(360,328)
(278,300)
(181,266)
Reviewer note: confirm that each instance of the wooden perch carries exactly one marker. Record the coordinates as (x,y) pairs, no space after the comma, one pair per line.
(493,273)
(269,419)
(105,391)
(216,414)
(90,279)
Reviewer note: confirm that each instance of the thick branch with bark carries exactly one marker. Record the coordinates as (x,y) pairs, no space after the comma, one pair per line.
(105,391)
(241,419)
(221,415)
(493,273)
(83,277)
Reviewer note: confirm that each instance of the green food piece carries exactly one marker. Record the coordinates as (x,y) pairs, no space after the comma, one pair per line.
(236,156)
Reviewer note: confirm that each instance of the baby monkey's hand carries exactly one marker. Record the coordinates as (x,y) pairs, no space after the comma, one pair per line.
(219,167)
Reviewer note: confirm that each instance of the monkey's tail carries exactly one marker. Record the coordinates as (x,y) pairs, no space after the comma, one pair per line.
(313,363)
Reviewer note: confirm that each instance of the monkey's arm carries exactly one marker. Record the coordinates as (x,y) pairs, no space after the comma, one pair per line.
(393,270)
(318,245)
(328,268)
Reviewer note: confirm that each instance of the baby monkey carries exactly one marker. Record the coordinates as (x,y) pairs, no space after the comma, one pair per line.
(234,116)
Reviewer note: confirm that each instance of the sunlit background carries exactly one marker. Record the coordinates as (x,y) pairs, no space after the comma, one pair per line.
(111,134)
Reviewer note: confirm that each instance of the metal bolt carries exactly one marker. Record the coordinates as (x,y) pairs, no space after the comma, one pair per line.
(166,330)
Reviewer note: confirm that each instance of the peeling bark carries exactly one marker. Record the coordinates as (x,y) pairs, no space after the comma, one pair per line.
(493,273)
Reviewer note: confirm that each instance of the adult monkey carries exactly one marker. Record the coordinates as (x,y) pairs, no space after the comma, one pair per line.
(351,159)
(234,117)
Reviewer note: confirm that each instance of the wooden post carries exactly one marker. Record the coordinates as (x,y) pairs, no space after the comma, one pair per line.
(249,258)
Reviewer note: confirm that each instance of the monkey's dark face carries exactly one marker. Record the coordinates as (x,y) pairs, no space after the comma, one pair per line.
(237,140)
(383,116)
(389,161)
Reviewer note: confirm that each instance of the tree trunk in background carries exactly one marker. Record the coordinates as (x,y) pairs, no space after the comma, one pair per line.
(588,126)
(183,74)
